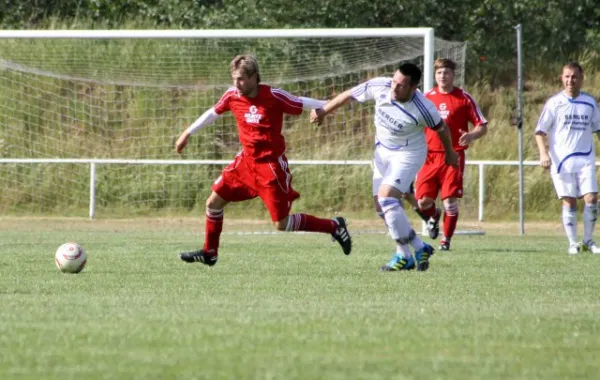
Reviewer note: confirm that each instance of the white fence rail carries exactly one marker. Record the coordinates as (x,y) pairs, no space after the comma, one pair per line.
(93,162)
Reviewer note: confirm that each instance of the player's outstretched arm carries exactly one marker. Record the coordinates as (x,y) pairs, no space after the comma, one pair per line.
(318,115)
(540,139)
(312,104)
(205,119)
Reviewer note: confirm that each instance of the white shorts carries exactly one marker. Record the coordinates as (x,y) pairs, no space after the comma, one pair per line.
(575,185)
(396,168)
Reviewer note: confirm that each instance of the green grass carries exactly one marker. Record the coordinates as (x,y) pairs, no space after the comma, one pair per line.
(291,307)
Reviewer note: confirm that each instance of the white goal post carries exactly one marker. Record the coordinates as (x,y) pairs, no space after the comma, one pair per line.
(122,97)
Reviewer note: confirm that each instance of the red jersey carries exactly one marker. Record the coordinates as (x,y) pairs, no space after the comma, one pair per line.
(457,108)
(260,119)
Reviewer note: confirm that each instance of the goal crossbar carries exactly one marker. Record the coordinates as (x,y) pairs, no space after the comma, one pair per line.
(220,33)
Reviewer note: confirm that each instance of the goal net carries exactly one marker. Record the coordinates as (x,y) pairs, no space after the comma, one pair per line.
(88,119)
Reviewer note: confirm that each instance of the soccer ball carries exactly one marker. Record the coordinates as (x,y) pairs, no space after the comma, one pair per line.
(70,258)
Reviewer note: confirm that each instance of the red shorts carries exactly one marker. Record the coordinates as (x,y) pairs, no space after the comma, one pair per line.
(245,179)
(437,177)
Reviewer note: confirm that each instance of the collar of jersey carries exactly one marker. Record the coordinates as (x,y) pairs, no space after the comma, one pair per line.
(570,99)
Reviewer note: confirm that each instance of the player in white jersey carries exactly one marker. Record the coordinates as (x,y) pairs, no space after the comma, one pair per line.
(401,114)
(568,122)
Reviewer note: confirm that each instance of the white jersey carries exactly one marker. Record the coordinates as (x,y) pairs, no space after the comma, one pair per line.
(398,126)
(569,124)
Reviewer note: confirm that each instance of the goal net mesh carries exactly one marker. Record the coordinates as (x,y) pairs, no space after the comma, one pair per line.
(131,98)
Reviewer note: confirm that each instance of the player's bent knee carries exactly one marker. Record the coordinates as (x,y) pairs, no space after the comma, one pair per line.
(387,191)
(425,203)
(570,202)
(215,202)
(215,205)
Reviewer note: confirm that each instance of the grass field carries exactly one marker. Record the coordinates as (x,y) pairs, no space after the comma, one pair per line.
(292,306)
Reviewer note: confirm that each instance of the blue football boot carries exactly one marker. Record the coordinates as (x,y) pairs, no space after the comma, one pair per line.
(423,256)
(399,262)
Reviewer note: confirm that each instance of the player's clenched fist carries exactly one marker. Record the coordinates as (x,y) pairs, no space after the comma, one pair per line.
(545,161)
(452,158)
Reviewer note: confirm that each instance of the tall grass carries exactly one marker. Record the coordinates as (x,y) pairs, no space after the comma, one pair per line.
(63,115)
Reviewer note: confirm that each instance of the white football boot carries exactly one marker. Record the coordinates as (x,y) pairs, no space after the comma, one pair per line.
(574,249)
(591,246)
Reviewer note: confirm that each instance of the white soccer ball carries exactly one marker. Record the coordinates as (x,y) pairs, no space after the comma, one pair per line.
(70,258)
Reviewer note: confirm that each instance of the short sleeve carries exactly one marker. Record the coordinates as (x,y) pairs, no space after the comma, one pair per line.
(429,115)
(366,91)
(546,120)
(475,115)
(223,104)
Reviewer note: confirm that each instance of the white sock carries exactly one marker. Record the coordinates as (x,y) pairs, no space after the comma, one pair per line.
(417,243)
(396,220)
(569,217)
(404,250)
(590,214)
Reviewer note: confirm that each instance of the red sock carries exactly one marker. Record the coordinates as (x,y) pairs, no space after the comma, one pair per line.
(428,212)
(450,221)
(305,222)
(214,226)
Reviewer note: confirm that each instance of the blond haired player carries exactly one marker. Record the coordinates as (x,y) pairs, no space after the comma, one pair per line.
(261,168)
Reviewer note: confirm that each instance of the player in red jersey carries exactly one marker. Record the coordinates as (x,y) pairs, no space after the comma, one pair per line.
(261,168)
(458,109)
